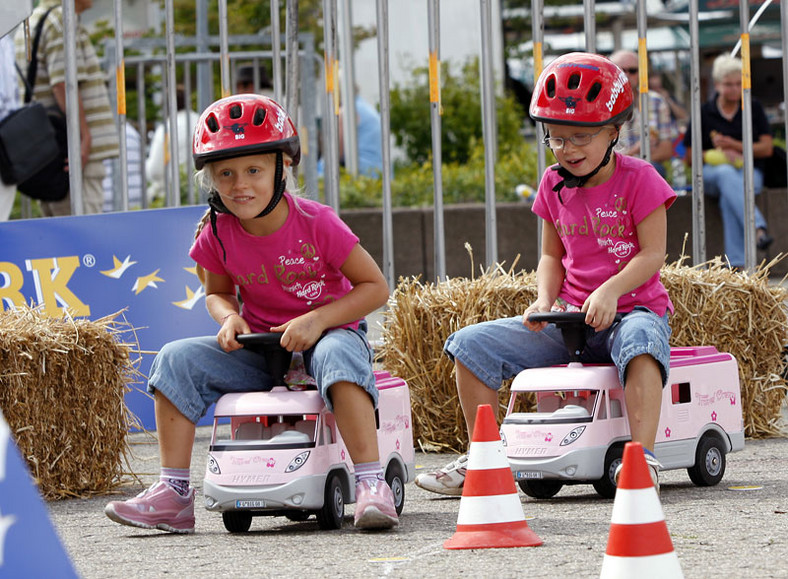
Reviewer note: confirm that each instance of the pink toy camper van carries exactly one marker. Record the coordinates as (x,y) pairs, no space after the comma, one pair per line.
(577,431)
(279,453)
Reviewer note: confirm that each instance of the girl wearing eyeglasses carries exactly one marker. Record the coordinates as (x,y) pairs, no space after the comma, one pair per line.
(603,245)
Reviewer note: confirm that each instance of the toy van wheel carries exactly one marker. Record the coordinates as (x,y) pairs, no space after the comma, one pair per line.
(396,481)
(332,515)
(237,521)
(606,486)
(709,464)
(540,489)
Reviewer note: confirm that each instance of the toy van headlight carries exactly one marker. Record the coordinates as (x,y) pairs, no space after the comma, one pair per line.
(297,462)
(213,465)
(573,435)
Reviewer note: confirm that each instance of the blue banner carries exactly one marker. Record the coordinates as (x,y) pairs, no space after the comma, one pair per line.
(29,545)
(97,265)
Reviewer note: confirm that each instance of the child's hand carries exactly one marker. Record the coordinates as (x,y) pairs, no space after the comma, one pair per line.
(300,333)
(231,327)
(534,308)
(600,308)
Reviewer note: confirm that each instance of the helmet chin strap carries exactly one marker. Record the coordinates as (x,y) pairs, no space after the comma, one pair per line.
(279,186)
(217,205)
(570,180)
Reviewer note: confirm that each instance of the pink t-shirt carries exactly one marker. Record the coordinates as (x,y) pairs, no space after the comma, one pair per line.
(287,273)
(598,227)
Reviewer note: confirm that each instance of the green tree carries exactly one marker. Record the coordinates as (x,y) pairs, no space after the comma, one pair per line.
(248,16)
(461,121)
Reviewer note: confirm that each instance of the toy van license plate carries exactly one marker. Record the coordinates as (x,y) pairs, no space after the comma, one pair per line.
(250,504)
(526,474)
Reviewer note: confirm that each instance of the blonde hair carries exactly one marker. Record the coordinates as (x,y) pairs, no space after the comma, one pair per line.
(725,65)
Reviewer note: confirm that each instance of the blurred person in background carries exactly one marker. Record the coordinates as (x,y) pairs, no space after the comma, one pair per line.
(662,130)
(723,167)
(9,102)
(244,81)
(158,160)
(97,132)
(134,173)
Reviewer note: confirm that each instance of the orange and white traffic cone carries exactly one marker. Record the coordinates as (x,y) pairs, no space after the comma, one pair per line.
(639,544)
(491,515)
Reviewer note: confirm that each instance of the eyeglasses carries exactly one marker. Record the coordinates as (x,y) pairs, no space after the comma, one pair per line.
(578,140)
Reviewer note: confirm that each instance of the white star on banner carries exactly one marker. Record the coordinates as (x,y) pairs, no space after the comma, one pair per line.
(5,524)
(5,434)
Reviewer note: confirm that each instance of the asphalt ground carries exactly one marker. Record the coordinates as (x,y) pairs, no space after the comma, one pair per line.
(717,532)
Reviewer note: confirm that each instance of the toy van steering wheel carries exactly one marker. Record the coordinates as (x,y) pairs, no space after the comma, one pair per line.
(276,357)
(573,329)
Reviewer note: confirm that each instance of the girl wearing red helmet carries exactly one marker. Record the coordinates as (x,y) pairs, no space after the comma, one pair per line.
(299,270)
(603,244)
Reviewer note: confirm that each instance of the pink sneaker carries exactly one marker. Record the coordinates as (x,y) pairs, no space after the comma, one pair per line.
(157,507)
(375,505)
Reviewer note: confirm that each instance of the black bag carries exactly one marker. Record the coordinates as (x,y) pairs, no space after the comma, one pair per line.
(775,174)
(34,141)
(28,145)
(51,182)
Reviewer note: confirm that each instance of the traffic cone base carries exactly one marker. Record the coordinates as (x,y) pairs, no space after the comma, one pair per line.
(639,544)
(493,536)
(491,514)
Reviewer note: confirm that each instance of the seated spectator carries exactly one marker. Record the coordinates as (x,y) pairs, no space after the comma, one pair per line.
(678,113)
(721,140)
(662,130)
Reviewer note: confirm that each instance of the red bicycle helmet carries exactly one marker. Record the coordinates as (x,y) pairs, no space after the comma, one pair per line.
(582,89)
(245,124)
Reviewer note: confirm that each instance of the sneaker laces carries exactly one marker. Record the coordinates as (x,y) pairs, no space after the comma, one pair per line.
(459,466)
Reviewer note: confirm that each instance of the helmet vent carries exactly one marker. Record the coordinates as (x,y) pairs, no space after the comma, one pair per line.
(259,117)
(593,92)
(550,87)
(213,124)
(573,82)
(235,112)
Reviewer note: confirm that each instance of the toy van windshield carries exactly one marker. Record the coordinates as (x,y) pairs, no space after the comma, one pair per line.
(557,407)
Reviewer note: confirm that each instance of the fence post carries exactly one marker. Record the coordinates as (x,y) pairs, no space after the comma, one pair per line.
(385,122)
(433,23)
(489,132)
(72,108)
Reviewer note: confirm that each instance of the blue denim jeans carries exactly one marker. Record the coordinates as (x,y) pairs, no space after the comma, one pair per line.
(726,183)
(497,350)
(193,373)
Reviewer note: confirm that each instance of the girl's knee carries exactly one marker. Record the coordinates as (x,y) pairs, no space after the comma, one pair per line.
(644,370)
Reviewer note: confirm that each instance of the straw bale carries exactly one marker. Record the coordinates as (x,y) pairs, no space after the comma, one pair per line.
(417,322)
(62,383)
(738,313)
(741,313)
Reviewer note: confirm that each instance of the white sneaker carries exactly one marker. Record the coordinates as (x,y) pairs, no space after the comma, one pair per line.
(446,481)
(653,464)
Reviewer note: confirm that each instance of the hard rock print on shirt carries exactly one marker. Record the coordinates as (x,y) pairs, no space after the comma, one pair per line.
(610,224)
(300,271)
